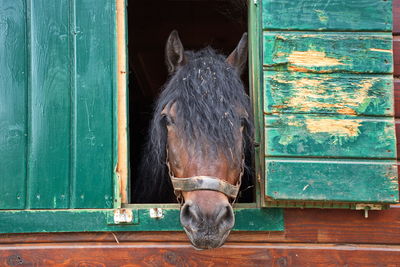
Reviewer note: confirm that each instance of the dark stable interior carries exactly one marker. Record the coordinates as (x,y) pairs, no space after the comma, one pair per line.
(200,23)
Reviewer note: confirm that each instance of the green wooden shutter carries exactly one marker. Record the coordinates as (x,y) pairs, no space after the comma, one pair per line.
(57,95)
(329,133)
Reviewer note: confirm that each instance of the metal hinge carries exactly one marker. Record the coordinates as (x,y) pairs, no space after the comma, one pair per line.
(156,213)
(368,207)
(123,216)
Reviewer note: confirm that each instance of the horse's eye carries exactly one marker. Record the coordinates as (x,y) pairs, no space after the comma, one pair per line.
(242,122)
(168,120)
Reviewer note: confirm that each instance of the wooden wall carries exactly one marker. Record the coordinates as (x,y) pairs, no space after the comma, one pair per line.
(312,237)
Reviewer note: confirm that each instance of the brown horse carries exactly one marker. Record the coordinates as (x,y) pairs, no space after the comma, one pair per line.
(199,134)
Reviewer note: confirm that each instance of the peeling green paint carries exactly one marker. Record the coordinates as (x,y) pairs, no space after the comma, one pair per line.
(332,180)
(332,15)
(349,94)
(328,52)
(329,136)
(328,103)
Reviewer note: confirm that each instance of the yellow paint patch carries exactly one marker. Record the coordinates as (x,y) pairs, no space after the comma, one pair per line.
(312,58)
(380,50)
(335,127)
(347,111)
(310,94)
(321,15)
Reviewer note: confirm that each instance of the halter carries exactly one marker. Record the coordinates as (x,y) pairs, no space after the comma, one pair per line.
(202,182)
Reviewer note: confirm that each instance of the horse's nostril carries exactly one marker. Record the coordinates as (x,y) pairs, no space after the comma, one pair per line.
(189,213)
(225,214)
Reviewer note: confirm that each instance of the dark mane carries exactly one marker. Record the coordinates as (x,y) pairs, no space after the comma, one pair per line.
(210,101)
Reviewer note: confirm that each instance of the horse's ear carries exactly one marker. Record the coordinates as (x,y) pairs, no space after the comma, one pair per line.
(174,52)
(238,57)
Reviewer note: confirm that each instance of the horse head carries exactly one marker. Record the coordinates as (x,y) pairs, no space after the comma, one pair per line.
(200,130)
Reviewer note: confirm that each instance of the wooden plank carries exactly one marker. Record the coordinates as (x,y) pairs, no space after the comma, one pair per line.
(396,17)
(328,52)
(94,106)
(13,71)
(397,97)
(301,225)
(330,136)
(287,92)
(178,254)
(398,138)
(332,180)
(82,220)
(396,55)
(122,169)
(49,140)
(334,15)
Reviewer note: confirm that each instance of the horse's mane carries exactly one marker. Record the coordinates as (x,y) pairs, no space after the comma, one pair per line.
(208,95)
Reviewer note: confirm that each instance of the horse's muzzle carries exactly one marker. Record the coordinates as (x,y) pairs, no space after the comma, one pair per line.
(207,231)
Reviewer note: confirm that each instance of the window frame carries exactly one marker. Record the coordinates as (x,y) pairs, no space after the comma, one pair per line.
(249,216)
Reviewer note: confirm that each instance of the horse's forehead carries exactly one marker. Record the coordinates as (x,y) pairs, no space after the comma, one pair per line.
(171,110)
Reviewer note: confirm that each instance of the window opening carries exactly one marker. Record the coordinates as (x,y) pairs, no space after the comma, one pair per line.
(219,24)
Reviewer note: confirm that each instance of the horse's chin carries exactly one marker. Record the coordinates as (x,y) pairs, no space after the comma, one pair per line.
(201,241)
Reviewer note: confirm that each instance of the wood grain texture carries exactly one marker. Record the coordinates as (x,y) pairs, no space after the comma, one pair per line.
(331,180)
(312,66)
(13,95)
(82,220)
(301,225)
(397,97)
(177,254)
(57,81)
(95,105)
(296,92)
(397,138)
(49,105)
(396,55)
(329,136)
(328,52)
(335,15)
(396,17)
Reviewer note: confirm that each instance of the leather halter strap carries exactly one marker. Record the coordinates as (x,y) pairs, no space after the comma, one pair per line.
(205,183)
(202,182)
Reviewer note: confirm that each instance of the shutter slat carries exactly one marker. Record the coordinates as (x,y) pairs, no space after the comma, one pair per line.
(338,15)
(328,52)
(330,136)
(13,86)
(49,135)
(332,180)
(94,107)
(346,94)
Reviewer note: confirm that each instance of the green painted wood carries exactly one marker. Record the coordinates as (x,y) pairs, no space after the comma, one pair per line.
(12,104)
(49,104)
(58,92)
(332,180)
(328,93)
(328,52)
(30,221)
(288,92)
(330,136)
(94,109)
(338,15)
(256,92)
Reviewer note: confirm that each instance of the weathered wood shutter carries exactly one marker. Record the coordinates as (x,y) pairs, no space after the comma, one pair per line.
(57,95)
(328,102)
